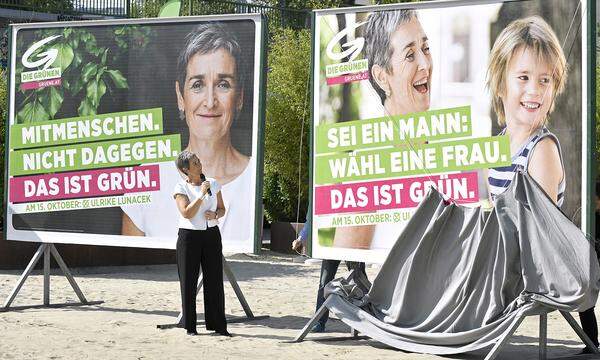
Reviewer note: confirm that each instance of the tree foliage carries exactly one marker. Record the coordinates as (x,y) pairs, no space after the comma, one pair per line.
(88,72)
(52,6)
(287,125)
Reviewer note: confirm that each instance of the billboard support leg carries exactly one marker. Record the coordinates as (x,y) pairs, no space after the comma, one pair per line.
(238,292)
(319,313)
(46,275)
(47,250)
(579,331)
(495,351)
(543,336)
(36,257)
(313,320)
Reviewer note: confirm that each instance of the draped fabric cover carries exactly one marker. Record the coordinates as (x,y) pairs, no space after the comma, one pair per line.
(456,279)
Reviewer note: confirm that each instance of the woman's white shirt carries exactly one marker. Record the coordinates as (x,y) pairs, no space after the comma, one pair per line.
(198,221)
(159,218)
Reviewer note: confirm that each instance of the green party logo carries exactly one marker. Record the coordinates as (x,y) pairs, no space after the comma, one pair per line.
(32,59)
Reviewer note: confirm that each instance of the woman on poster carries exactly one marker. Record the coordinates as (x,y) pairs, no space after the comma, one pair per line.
(210,95)
(400,69)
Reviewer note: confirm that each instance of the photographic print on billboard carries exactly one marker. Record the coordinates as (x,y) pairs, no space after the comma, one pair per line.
(99,111)
(452,95)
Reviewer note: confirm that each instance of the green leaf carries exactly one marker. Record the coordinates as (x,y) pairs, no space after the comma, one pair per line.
(76,87)
(56,100)
(32,112)
(90,45)
(95,90)
(43,96)
(67,32)
(104,56)
(118,79)
(89,70)
(77,60)
(25,114)
(87,38)
(101,91)
(86,108)
(121,43)
(65,56)
(29,98)
(100,73)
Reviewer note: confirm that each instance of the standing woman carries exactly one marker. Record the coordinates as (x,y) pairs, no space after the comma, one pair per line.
(200,205)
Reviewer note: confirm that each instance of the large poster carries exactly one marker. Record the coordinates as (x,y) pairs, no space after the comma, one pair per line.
(456,95)
(100,110)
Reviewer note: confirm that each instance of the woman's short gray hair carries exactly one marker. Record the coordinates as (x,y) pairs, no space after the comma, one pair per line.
(378,31)
(207,38)
(183,160)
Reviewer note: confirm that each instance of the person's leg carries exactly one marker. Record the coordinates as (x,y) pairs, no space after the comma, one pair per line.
(328,270)
(212,269)
(589,324)
(187,268)
(359,266)
(180,252)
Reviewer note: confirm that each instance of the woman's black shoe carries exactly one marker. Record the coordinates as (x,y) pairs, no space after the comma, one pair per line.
(192,333)
(585,350)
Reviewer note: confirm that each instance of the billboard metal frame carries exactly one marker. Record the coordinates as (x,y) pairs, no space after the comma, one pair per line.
(258,84)
(588,18)
(588,93)
(48,249)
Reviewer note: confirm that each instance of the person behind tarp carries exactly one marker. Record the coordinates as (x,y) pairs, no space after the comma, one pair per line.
(526,72)
(588,317)
(200,204)
(328,270)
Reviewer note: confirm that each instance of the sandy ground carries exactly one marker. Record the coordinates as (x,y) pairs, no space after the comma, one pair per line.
(138,298)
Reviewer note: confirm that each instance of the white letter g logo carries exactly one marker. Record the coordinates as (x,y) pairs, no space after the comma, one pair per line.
(46,57)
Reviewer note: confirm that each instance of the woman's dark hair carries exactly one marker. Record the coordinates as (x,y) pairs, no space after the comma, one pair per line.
(378,32)
(207,38)
(183,161)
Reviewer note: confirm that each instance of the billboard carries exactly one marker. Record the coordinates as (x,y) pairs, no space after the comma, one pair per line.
(456,95)
(99,110)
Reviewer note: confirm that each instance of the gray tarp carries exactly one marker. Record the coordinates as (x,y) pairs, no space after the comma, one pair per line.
(456,280)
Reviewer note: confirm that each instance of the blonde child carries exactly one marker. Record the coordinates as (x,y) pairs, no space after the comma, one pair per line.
(527,71)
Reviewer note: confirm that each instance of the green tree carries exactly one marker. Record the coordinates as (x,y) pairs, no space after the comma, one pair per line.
(52,6)
(148,8)
(287,125)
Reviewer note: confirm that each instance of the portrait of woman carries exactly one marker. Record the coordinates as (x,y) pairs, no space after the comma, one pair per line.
(400,69)
(209,88)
